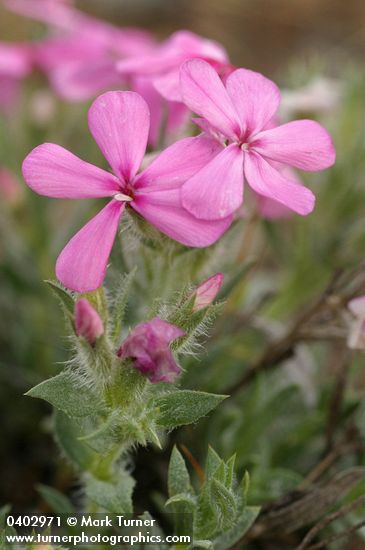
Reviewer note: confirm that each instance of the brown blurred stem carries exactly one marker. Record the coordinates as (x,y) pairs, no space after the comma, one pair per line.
(338,392)
(343,511)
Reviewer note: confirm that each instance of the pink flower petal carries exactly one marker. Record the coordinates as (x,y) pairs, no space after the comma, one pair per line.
(148,346)
(255,98)
(119,122)
(178,119)
(177,163)
(357,306)
(271,209)
(204,93)
(267,181)
(53,12)
(216,191)
(88,322)
(144,87)
(163,209)
(80,80)
(15,60)
(82,264)
(53,171)
(207,291)
(168,85)
(303,144)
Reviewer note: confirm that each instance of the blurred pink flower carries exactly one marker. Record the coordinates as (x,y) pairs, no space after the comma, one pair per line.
(15,65)
(207,292)
(240,111)
(148,345)
(155,75)
(88,323)
(80,62)
(320,95)
(356,336)
(119,123)
(10,190)
(163,63)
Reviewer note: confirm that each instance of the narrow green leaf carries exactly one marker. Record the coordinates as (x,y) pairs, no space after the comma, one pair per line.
(178,475)
(245,485)
(65,298)
(224,502)
(64,393)
(58,502)
(212,463)
(181,407)
(230,471)
(205,544)
(182,498)
(227,539)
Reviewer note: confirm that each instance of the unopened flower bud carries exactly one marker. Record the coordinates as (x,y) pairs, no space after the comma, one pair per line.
(88,323)
(206,293)
(148,346)
(356,335)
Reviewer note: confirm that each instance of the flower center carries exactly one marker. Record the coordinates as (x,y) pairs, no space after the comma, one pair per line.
(122,197)
(245,146)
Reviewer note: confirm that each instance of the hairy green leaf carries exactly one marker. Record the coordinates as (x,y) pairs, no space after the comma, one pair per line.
(181,407)
(66,394)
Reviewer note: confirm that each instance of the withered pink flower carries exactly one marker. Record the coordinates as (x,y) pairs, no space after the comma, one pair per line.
(356,335)
(119,123)
(148,346)
(241,111)
(207,291)
(88,322)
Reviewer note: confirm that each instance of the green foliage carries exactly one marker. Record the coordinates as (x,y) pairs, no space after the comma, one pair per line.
(58,502)
(64,297)
(219,511)
(181,407)
(65,393)
(120,301)
(113,496)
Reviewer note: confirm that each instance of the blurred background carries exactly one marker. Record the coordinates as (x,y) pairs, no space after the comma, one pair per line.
(291,41)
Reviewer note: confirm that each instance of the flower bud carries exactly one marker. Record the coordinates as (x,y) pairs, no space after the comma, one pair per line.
(356,334)
(88,323)
(148,346)
(206,293)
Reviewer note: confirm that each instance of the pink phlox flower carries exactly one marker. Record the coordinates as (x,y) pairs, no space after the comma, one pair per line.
(80,58)
(356,335)
(162,64)
(207,292)
(155,76)
(240,110)
(88,323)
(148,346)
(15,65)
(119,123)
